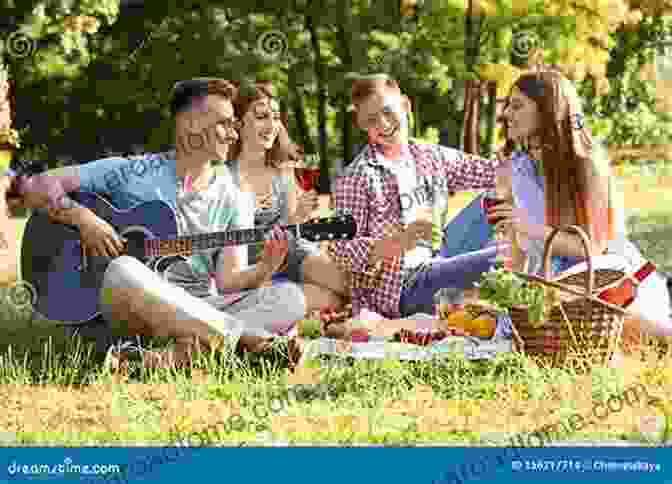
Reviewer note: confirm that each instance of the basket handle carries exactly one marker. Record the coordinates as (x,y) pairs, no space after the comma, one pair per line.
(590,273)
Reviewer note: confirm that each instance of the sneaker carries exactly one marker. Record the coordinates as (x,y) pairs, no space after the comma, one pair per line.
(282,350)
(120,355)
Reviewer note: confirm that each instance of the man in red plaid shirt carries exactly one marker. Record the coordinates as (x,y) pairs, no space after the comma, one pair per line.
(390,188)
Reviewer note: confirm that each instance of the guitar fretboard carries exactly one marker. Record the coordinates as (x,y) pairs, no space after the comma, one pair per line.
(186,245)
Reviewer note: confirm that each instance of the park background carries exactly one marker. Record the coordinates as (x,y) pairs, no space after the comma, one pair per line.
(92,78)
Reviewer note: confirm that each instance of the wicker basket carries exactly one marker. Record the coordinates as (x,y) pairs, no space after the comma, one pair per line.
(579,323)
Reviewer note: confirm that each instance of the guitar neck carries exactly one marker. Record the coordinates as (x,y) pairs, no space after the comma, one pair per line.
(188,244)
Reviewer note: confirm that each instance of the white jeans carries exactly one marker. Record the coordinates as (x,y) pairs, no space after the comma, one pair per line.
(260,313)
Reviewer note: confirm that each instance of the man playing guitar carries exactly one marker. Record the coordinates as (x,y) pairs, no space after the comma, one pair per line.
(135,300)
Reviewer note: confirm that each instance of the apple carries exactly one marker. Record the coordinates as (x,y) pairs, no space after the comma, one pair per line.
(310,328)
(359,335)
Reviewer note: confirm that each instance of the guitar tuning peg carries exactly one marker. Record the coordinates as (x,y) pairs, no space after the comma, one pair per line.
(344,236)
(331,236)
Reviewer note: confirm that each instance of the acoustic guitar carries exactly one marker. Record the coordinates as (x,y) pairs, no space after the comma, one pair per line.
(68,282)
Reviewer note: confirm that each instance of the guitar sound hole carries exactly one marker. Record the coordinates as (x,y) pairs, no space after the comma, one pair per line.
(164,263)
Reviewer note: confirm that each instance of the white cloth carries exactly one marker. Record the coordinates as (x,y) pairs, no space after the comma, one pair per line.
(471,348)
(378,348)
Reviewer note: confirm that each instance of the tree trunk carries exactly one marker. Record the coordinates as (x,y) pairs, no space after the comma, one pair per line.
(472,97)
(472,101)
(300,115)
(325,182)
(344,39)
(491,114)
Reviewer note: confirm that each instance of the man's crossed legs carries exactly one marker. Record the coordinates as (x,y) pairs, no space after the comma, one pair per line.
(136,300)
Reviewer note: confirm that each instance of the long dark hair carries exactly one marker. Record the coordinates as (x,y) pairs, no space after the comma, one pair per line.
(576,193)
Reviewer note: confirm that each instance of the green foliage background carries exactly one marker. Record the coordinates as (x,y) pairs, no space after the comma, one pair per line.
(83,95)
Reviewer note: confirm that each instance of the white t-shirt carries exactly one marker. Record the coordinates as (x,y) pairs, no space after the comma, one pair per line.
(412,197)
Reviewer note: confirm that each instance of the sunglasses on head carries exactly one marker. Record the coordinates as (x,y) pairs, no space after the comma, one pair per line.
(193,83)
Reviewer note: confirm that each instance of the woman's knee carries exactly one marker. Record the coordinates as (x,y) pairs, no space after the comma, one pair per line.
(292,298)
(323,271)
(318,297)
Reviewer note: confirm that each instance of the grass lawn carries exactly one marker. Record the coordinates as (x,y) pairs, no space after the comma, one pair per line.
(61,399)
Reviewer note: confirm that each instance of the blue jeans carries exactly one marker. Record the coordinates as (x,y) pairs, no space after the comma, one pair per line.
(279,277)
(464,256)
(461,271)
(467,232)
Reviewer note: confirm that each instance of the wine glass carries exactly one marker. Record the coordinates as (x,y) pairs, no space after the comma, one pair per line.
(307,172)
(488,202)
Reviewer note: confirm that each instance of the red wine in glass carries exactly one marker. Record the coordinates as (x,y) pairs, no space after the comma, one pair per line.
(489,201)
(307,178)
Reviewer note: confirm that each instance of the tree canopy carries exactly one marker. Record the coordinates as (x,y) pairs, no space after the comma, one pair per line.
(98,77)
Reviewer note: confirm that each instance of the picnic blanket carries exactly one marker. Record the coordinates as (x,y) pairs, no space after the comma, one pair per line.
(380,348)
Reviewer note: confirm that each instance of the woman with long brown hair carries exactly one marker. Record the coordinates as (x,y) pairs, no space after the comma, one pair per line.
(560,176)
(260,163)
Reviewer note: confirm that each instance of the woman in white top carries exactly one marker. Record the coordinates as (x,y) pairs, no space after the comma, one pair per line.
(561,176)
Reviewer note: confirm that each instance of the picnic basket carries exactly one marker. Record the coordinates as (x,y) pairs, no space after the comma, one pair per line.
(578,322)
